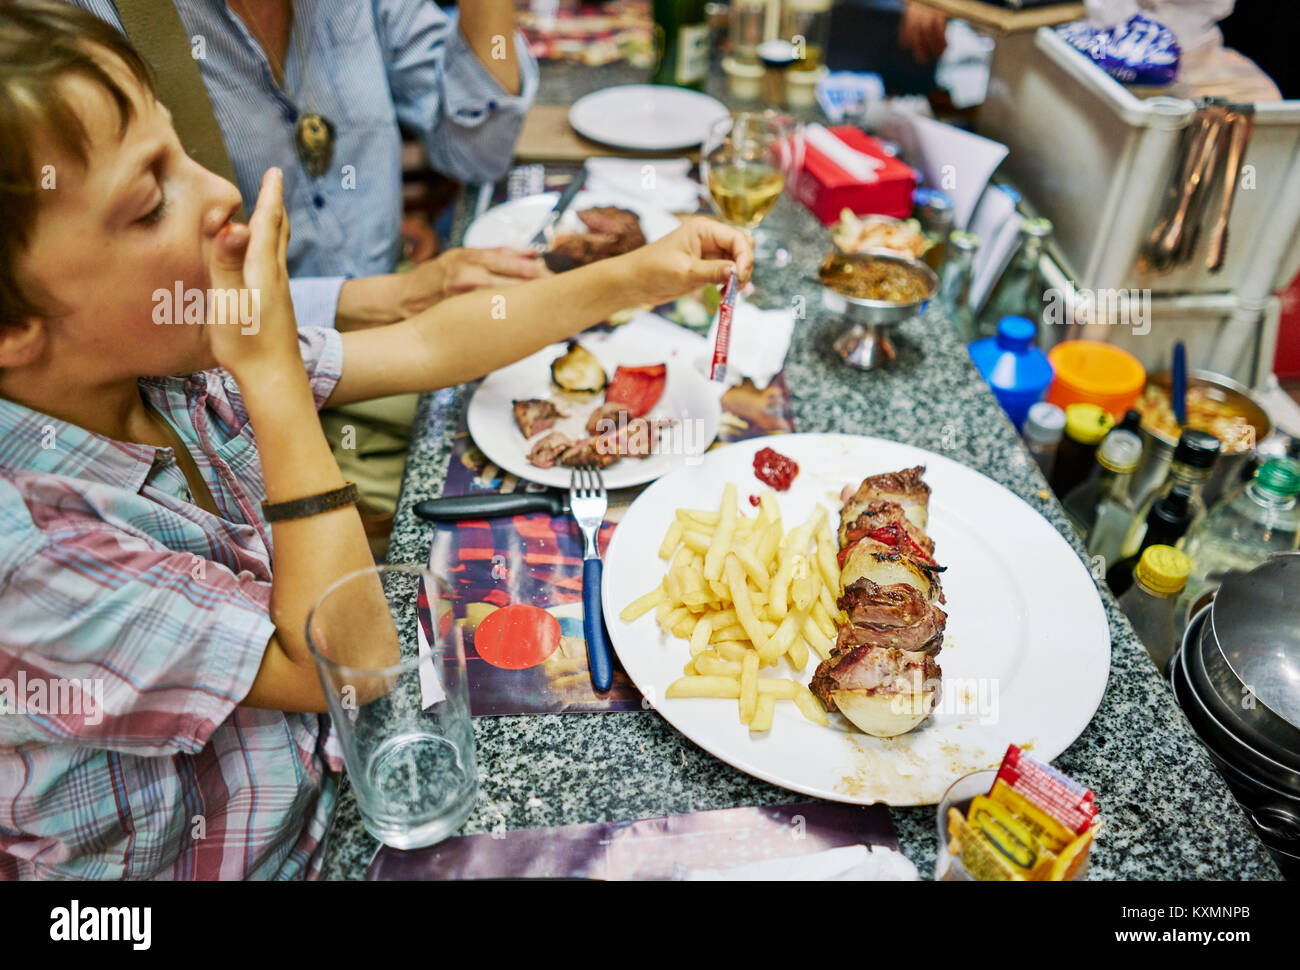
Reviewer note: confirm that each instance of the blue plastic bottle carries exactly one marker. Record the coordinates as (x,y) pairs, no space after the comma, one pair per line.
(1016,370)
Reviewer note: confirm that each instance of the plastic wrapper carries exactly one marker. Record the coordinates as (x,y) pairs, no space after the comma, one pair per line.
(1137,51)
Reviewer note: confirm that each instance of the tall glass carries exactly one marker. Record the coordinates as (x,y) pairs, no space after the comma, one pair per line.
(392,663)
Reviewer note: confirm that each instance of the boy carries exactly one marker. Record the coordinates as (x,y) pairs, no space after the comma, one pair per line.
(140,584)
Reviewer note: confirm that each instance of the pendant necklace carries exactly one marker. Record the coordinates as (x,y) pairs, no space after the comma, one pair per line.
(313,133)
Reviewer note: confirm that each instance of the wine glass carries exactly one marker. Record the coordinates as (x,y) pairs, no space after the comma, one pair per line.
(746,161)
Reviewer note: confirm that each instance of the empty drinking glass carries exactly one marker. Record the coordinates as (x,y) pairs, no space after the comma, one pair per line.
(392,663)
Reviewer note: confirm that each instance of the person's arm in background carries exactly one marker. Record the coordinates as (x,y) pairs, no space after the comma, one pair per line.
(452,81)
(373,301)
(468,336)
(923,31)
(488,27)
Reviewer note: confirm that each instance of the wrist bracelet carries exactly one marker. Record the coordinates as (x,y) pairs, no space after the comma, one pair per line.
(301,508)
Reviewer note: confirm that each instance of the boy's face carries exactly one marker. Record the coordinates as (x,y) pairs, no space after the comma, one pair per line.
(138,217)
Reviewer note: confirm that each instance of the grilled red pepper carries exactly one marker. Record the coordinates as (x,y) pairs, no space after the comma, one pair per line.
(890,535)
(637,389)
(895,535)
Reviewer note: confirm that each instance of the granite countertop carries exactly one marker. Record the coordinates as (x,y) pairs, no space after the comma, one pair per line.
(1169,814)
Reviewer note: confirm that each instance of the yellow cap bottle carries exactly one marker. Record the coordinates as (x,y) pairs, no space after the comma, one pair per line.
(1163,570)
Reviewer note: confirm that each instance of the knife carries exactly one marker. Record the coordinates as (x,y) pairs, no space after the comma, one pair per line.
(456,507)
(541,242)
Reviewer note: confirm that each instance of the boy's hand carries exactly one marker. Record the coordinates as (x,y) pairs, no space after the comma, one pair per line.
(700,251)
(249,261)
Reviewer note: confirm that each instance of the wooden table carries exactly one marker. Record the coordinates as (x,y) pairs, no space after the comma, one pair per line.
(1003,20)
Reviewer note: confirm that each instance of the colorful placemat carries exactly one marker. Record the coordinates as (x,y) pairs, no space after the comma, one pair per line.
(668,847)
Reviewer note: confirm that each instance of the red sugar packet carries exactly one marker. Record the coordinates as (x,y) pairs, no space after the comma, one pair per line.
(718,371)
(1063,798)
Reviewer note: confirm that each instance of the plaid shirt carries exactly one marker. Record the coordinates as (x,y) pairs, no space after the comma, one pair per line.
(132,624)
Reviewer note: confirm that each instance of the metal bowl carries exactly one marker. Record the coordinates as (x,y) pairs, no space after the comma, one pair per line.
(1228,470)
(1249,735)
(862,337)
(1256,620)
(1218,736)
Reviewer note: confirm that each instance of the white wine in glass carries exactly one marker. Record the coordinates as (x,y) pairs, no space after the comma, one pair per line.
(745,193)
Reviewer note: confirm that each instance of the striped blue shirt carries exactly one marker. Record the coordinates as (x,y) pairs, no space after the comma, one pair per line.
(366,65)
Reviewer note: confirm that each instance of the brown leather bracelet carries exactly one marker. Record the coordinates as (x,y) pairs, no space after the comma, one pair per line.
(301,508)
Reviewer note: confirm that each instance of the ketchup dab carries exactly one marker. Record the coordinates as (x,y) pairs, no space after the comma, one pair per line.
(775,469)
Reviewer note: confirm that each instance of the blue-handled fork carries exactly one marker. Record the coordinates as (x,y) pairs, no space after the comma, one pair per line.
(588,502)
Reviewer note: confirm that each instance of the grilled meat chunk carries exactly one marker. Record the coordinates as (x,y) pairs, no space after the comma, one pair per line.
(607,418)
(875,669)
(546,451)
(629,439)
(612,232)
(584,452)
(890,616)
(613,221)
(903,487)
(535,416)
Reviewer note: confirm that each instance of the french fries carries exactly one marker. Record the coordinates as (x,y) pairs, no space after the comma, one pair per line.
(745,595)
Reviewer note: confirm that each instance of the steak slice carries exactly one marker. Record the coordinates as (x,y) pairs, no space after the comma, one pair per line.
(548,450)
(534,416)
(584,452)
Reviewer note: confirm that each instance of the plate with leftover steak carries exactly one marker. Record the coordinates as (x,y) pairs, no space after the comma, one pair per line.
(614,400)
(593,228)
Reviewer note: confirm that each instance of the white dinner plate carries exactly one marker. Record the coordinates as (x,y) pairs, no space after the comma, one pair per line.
(646,117)
(515,223)
(689,398)
(1026,654)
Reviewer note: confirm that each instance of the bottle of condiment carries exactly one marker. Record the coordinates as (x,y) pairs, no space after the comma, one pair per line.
(1192,463)
(682,43)
(954,285)
(1020,290)
(1132,421)
(778,58)
(1245,527)
(1149,605)
(1166,523)
(1016,370)
(1085,426)
(934,210)
(1044,426)
(1100,508)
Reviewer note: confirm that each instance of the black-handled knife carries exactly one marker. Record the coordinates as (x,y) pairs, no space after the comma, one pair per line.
(457,507)
(541,242)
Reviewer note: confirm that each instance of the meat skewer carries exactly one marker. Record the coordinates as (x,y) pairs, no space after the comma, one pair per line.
(882,673)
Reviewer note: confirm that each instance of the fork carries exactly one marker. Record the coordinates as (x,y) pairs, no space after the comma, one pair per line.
(588,502)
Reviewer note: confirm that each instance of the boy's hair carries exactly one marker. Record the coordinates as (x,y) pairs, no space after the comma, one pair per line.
(42,44)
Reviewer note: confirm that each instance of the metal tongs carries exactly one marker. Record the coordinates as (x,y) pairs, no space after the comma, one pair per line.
(1210,156)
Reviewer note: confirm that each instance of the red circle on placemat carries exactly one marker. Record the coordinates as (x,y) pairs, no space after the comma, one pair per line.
(517,636)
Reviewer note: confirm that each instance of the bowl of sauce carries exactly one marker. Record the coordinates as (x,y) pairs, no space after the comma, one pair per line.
(872,291)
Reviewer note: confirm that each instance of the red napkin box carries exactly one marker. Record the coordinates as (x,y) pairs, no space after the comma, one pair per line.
(826,189)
